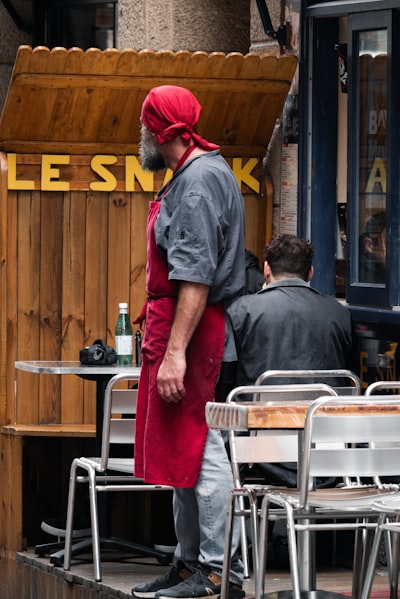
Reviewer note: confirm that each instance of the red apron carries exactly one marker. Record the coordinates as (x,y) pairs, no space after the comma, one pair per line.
(170,437)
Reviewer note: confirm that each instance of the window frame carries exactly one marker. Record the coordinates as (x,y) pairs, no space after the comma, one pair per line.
(369,294)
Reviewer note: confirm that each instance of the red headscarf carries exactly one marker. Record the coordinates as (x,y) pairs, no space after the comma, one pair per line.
(169,111)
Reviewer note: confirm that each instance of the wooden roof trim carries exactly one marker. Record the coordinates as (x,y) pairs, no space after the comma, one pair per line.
(75,101)
(129,62)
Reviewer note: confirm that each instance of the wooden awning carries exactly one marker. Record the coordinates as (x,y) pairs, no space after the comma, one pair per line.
(88,102)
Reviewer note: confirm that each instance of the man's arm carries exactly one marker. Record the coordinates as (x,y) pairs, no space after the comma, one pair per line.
(191,303)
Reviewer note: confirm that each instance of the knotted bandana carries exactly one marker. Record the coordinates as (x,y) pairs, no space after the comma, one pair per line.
(169,111)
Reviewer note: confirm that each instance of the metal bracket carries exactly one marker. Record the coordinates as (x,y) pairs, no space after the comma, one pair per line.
(280,33)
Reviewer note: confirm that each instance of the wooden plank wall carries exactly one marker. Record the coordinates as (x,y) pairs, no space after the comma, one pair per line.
(70,257)
(79,254)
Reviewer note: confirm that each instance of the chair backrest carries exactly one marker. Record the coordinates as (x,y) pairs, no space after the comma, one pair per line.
(369,439)
(380,385)
(123,416)
(269,446)
(372,389)
(353,386)
(119,420)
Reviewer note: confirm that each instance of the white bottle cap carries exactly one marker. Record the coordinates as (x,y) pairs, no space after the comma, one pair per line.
(123,306)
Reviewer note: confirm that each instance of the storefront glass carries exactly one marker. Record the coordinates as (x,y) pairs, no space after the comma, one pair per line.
(372,105)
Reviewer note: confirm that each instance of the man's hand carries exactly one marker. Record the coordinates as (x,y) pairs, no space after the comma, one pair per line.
(170,377)
(191,303)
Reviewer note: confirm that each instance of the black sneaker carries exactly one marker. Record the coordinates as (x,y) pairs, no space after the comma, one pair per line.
(201,585)
(173,577)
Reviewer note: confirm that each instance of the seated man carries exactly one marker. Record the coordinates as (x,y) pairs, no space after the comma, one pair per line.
(287,325)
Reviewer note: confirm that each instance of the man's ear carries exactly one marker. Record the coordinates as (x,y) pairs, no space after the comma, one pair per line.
(267,271)
(310,274)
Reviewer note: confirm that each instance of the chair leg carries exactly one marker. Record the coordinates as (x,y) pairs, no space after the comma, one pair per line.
(357,561)
(243,539)
(370,571)
(293,552)
(393,563)
(362,551)
(70,516)
(228,546)
(254,529)
(94,518)
(260,567)
(292,545)
(389,549)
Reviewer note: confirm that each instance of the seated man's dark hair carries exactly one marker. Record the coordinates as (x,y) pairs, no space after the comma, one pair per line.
(289,255)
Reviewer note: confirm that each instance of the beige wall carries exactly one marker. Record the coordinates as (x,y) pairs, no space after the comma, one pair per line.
(210,25)
(259,42)
(191,25)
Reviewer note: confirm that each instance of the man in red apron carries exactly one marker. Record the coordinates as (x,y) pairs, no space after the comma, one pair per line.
(195,267)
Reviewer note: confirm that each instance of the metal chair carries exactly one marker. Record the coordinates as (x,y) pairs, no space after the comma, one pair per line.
(105,474)
(272,446)
(392,541)
(339,444)
(336,379)
(273,454)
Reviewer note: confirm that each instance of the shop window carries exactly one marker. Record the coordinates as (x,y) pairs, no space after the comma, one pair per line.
(371,210)
(372,183)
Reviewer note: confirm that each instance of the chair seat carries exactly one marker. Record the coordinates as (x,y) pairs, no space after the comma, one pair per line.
(347,498)
(125,465)
(389,505)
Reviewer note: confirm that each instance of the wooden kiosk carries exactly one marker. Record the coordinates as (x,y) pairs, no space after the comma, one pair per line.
(73,208)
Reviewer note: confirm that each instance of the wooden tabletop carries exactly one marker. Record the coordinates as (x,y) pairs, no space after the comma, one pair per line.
(253,415)
(243,416)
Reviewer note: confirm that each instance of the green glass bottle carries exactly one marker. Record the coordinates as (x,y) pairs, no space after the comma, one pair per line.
(123,337)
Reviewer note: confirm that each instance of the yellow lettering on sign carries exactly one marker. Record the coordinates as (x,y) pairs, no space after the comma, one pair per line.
(377,176)
(50,174)
(12,175)
(136,179)
(243,173)
(109,182)
(133,170)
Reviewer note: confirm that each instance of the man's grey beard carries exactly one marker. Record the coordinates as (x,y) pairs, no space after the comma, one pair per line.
(150,156)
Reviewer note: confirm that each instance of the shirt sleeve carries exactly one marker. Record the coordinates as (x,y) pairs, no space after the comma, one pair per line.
(195,240)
